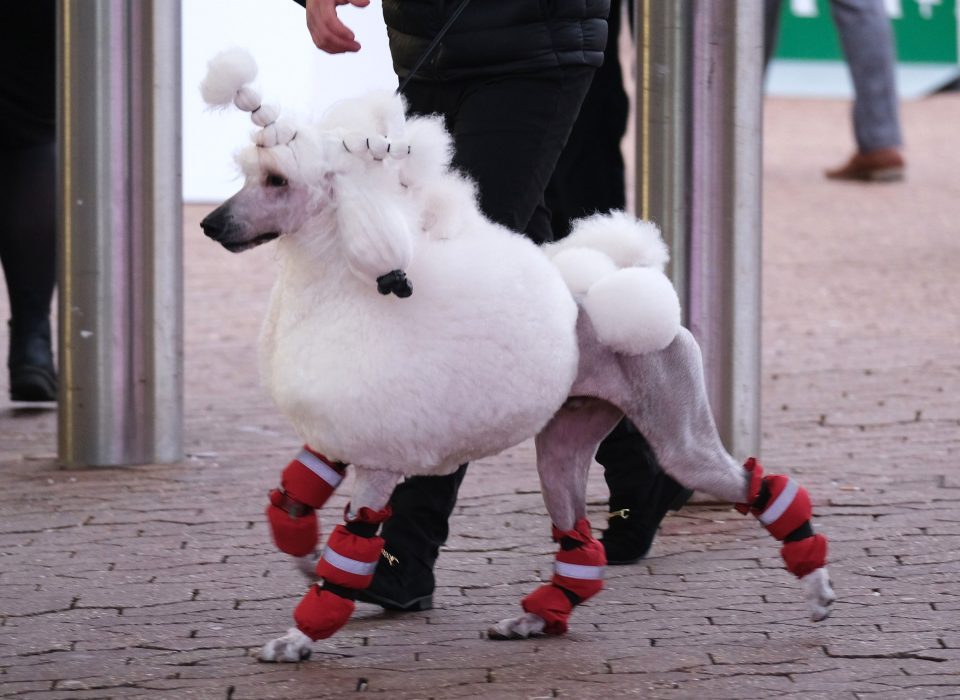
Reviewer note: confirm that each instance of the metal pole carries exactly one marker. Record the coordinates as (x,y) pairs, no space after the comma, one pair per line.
(120,247)
(699,167)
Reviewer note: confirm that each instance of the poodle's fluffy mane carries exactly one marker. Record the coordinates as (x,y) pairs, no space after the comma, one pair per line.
(487,338)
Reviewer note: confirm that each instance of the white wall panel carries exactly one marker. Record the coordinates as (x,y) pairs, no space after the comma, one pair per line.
(293,74)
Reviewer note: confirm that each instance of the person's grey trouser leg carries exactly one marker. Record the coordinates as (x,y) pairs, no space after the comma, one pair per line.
(771,28)
(867,39)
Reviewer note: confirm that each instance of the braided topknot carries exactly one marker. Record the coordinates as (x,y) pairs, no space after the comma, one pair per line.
(228,79)
(370,130)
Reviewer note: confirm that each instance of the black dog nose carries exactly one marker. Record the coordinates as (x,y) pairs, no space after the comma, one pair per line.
(214,223)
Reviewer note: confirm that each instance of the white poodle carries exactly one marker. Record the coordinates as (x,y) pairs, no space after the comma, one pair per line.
(408,334)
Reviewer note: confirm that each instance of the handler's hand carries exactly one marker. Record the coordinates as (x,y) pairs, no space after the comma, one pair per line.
(328,32)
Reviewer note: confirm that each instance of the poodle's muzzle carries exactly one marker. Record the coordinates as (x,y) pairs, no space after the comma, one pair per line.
(232,233)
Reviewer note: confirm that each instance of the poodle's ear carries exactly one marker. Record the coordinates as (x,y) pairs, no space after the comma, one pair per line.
(431,149)
(374,236)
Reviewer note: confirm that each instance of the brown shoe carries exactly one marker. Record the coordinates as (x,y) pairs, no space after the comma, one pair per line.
(882,165)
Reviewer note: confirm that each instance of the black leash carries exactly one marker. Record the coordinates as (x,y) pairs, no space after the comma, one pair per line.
(433,45)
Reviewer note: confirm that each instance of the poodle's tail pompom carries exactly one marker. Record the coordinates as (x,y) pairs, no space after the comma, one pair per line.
(635,310)
(629,242)
(613,265)
(227,73)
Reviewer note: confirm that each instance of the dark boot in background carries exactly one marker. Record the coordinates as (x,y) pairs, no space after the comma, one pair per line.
(30,361)
(641,493)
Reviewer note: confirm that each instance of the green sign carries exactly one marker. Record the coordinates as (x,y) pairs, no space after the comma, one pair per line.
(925,31)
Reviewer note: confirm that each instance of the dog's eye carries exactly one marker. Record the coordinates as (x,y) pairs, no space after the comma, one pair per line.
(274,180)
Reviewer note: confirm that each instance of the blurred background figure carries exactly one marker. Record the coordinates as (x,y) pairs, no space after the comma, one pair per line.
(27,192)
(866,36)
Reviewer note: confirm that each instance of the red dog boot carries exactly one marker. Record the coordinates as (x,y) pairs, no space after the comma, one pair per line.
(294,526)
(347,565)
(577,577)
(783,507)
(305,485)
(323,611)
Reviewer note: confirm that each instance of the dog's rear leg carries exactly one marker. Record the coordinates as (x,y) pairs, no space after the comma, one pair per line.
(346,566)
(565,449)
(669,405)
(783,507)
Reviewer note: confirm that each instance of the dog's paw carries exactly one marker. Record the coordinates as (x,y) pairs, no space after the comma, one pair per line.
(307,565)
(819,594)
(527,625)
(291,648)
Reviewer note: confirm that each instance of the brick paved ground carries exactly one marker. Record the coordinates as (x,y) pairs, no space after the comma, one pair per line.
(158,581)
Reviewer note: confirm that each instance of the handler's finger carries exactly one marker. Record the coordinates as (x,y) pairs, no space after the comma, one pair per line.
(330,20)
(326,41)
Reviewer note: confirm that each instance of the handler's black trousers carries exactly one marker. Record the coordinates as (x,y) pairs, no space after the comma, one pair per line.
(28,169)
(509,133)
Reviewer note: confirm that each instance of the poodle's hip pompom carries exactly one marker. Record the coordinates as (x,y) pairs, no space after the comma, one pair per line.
(634,310)
(227,72)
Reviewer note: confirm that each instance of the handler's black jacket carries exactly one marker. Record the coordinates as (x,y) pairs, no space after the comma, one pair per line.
(494,37)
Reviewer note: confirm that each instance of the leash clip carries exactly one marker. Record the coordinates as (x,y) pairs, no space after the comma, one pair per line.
(391,560)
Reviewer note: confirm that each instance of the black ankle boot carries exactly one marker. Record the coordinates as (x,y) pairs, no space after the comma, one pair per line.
(630,532)
(641,493)
(400,584)
(32,374)
(419,526)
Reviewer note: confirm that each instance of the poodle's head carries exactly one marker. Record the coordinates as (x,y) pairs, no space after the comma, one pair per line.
(343,189)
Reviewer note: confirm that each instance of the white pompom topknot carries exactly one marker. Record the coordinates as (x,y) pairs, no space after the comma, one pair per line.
(227,72)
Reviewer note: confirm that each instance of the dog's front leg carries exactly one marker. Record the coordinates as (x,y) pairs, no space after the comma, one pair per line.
(306,484)
(346,566)
(565,448)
